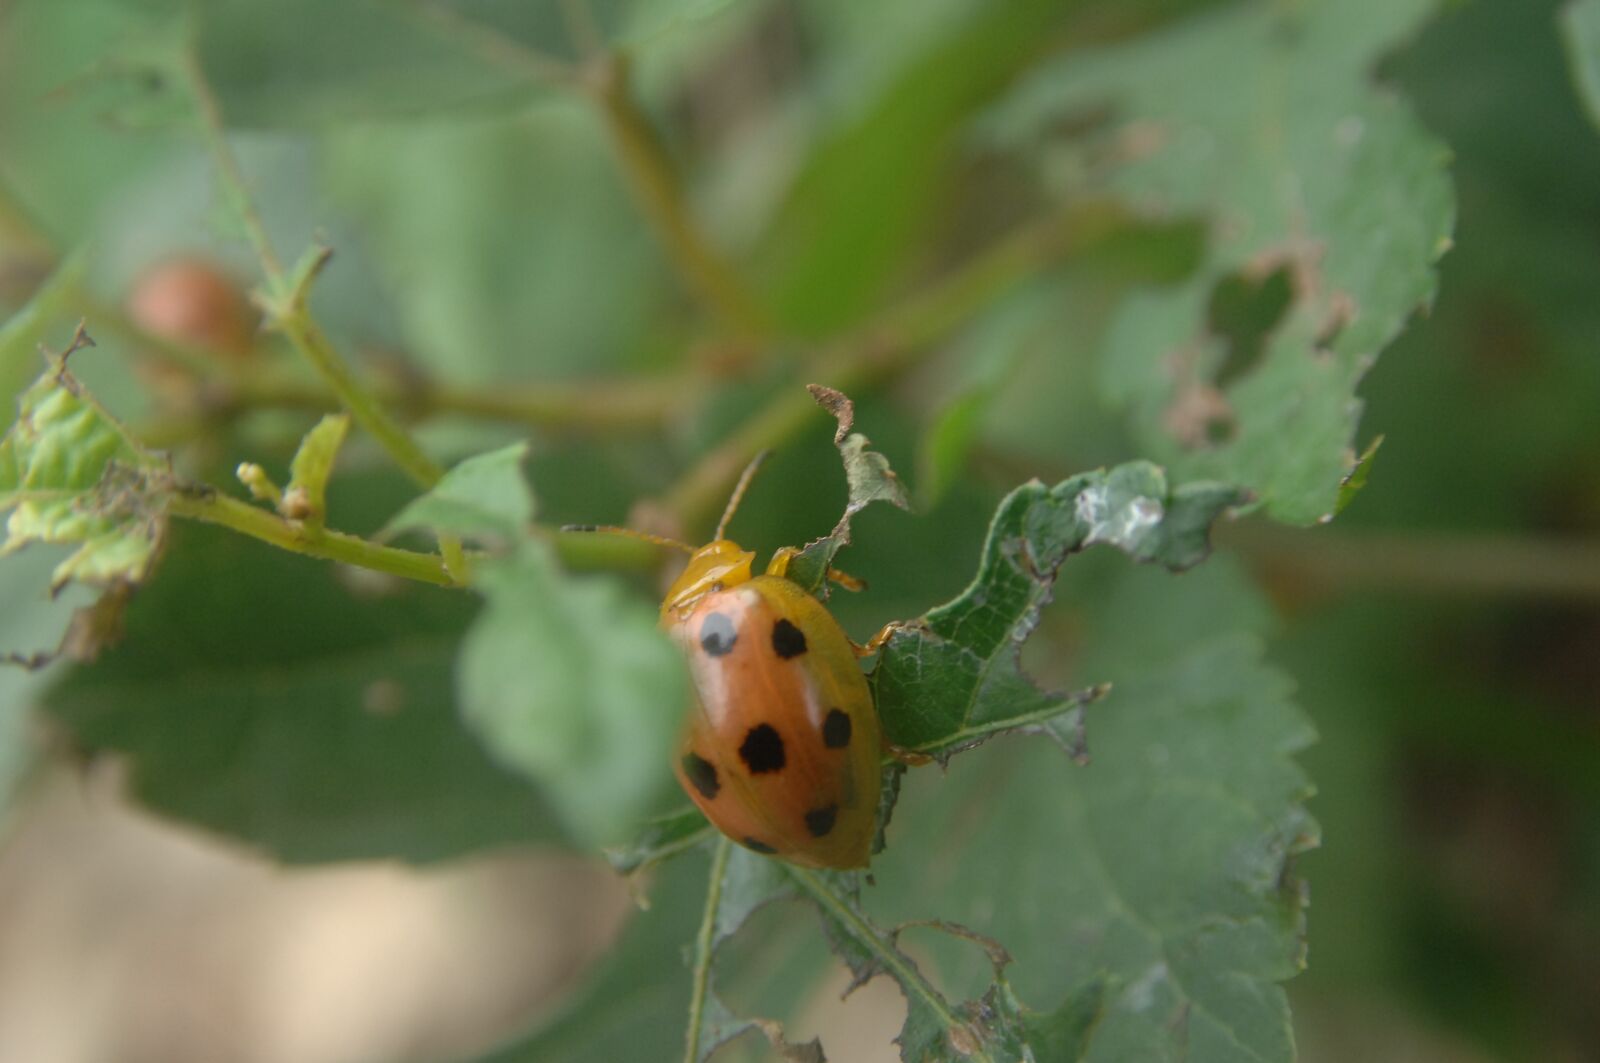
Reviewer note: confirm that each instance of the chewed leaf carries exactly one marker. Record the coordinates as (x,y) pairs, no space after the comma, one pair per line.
(721,1026)
(70,474)
(1263,120)
(1171,862)
(484,496)
(661,838)
(994,1027)
(952,679)
(870,479)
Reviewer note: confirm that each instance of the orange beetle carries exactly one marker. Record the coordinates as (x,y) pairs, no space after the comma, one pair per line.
(782,748)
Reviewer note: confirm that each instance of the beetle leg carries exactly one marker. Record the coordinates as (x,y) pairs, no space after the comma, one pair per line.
(909,758)
(847,581)
(875,643)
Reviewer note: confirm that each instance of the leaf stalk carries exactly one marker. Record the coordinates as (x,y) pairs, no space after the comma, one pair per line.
(703,950)
(231,513)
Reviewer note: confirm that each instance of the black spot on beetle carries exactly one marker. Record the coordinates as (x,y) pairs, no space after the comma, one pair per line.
(787,640)
(819,821)
(760,847)
(703,774)
(762,750)
(836,729)
(717,635)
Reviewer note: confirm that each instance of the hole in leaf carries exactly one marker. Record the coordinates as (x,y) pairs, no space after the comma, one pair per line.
(1243,312)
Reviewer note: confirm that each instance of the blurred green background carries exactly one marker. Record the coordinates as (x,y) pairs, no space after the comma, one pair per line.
(841,161)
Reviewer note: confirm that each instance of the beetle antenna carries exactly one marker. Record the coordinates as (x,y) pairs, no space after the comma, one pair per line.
(739,489)
(612,529)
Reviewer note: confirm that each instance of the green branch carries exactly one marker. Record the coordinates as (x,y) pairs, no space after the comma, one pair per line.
(214,508)
(286,302)
(659,192)
(704,950)
(1426,562)
(605,406)
(645,161)
(912,982)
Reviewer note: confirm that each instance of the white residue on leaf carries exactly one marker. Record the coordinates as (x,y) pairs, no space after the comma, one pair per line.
(1119,526)
(1141,994)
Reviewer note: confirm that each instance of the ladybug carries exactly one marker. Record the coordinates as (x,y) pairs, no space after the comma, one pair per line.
(782,747)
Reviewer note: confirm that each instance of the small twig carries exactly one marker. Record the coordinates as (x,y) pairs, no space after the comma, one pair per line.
(704,950)
(655,183)
(1427,562)
(233,178)
(600,405)
(20,335)
(582,28)
(495,46)
(645,161)
(912,981)
(214,508)
(287,296)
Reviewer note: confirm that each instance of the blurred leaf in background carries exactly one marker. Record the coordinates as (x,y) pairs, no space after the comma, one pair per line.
(1327,207)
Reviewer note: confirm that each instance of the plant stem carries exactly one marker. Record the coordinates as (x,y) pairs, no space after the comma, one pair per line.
(655,184)
(600,406)
(889,344)
(233,178)
(22,333)
(703,950)
(289,308)
(214,508)
(309,339)
(645,161)
(1454,564)
(495,46)
(912,982)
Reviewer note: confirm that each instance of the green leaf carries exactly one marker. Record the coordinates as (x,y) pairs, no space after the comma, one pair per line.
(737,887)
(952,679)
(31,624)
(568,681)
(1168,862)
(69,473)
(1262,119)
(1580,29)
(306,497)
(993,1027)
(499,209)
(485,496)
(23,332)
(662,838)
(947,441)
(1065,1034)
(317,63)
(870,480)
(257,697)
(1356,478)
